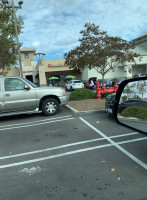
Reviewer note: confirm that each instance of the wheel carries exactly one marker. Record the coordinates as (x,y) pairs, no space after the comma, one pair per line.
(50,106)
(71,89)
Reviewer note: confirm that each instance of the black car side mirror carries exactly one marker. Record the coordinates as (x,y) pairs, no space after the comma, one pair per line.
(130,107)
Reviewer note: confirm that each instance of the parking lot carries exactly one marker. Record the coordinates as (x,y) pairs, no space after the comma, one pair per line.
(69,157)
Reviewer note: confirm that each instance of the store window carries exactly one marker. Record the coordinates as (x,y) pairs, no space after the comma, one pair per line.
(26,55)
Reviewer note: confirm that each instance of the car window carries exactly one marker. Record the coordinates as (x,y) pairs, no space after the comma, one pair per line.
(130,102)
(13,84)
(140,102)
(77,82)
(30,83)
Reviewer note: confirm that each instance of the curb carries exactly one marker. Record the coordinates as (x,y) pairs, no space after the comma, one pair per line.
(79,113)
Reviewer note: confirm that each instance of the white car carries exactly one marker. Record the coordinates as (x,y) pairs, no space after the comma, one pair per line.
(74,84)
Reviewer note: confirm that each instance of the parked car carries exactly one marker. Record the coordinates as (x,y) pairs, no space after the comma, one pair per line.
(109,103)
(119,80)
(87,85)
(107,82)
(18,95)
(126,104)
(74,84)
(139,75)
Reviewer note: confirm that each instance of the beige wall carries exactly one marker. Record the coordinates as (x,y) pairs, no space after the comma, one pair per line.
(13,72)
(27,61)
(55,65)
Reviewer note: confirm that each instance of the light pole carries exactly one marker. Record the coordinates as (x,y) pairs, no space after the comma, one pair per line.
(5,2)
(39,57)
(42,78)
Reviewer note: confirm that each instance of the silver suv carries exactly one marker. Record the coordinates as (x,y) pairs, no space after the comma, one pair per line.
(18,95)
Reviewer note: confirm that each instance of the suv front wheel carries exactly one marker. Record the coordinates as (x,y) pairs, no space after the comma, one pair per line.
(50,106)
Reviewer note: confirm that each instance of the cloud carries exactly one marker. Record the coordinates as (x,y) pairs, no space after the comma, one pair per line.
(53,26)
(36,44)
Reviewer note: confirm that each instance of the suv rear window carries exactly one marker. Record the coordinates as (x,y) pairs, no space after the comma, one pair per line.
(77,81)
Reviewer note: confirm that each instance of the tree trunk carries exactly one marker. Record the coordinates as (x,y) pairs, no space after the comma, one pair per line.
(3,71)
(102,77)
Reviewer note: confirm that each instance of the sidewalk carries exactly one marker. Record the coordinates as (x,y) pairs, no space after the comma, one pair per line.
(86,106)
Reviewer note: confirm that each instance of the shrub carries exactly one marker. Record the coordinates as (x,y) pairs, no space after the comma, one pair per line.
(80,94)
(135,111)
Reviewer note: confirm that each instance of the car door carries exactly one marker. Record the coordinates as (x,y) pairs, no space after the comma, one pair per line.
(16,97)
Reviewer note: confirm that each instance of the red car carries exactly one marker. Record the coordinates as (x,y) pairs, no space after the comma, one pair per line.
(87,85)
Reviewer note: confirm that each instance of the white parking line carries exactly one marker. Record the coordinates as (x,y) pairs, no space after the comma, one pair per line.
(48,122)
(66,153)
(123,135)
(36,121)
(63,146)
(116,145)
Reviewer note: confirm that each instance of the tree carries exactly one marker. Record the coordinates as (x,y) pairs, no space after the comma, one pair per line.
(129,90)
(8,46)
(100,51)
(142,88)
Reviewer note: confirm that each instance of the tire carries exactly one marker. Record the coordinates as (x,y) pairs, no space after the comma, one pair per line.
(50,106)
(71,89)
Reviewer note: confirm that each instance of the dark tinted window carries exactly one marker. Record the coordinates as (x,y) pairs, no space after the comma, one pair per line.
(77,82)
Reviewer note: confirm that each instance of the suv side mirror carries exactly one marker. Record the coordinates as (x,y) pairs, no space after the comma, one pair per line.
(130,107)
(26,87)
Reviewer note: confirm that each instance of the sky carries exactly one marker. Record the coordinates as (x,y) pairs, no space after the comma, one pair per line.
(53,26)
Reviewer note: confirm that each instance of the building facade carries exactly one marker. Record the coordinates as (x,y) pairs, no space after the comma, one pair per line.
(40,74)
(130,69)
(49,67)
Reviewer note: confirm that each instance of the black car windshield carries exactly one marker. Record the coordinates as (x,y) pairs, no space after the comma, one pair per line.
(77,81)
(32,84)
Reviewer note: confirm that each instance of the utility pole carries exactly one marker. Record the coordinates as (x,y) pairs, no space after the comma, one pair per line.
(16,32)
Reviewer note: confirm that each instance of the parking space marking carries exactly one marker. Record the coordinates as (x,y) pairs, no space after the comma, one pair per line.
(67,153)
(116,144)
(27,125)
(36,121)
(123,135)
(66,145)
(50,149)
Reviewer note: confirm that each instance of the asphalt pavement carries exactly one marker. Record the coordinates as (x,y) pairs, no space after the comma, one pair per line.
(71,157)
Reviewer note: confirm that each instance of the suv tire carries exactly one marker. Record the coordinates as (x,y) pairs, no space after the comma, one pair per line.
(50,106)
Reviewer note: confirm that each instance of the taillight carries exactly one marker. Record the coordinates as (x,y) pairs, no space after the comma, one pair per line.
(63,92)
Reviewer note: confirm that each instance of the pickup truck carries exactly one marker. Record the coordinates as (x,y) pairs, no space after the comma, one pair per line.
(19,96)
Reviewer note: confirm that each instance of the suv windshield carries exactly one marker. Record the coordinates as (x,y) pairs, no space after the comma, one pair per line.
(32,84)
